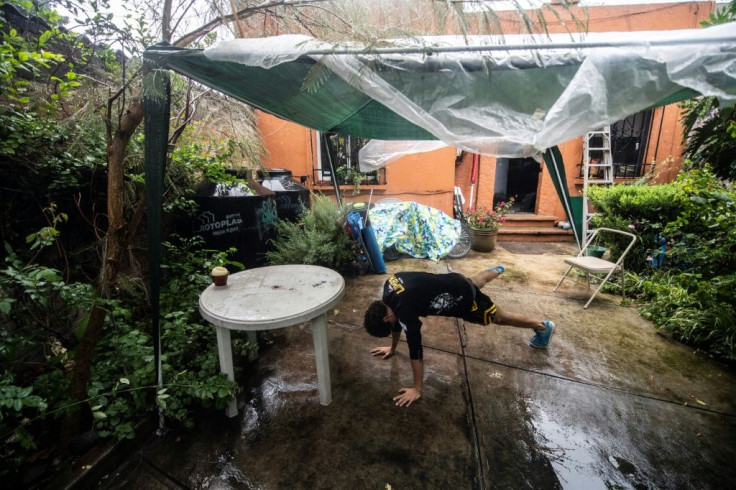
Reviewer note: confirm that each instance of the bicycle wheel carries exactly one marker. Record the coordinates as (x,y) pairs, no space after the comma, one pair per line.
(462,247)
(391,254)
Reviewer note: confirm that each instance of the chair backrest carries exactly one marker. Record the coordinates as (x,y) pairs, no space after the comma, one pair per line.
(597,231)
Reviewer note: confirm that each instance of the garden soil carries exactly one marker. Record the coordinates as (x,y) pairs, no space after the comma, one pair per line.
(612,403)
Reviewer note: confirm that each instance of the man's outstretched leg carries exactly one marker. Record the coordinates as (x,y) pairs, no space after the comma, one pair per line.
(485,276)
(542,330)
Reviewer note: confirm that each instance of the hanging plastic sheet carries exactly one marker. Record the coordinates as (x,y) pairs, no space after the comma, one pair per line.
(524,95)
(377,154)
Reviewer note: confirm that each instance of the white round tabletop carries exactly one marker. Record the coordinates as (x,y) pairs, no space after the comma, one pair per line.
(271,297)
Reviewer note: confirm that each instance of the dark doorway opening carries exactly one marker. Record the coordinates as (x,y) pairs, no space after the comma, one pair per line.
(517,178)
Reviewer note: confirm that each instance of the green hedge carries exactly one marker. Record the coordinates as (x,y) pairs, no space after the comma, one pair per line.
(692,294)
(641,209)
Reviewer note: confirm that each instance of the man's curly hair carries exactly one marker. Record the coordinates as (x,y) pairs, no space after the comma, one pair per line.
(373,321)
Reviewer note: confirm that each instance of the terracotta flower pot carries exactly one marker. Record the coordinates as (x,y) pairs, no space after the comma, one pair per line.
(219,276)
(483,240)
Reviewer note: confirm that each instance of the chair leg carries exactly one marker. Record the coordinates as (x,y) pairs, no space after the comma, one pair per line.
(563,278)
(623,283)
(599,288)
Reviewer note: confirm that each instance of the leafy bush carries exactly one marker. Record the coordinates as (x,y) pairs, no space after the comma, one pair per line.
(123,388)
(710,130)
(39,312)
(654,203)
(318,238)
(696,311)
(53,158)
(692,294)
(641,209)
(39,309)
(703,236)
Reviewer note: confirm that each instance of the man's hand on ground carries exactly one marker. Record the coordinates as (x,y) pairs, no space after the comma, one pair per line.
(386,352)
(407,396)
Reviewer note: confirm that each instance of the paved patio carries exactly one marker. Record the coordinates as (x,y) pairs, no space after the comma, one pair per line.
(611,404)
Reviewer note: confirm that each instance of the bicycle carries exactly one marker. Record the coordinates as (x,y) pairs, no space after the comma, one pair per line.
(462,247)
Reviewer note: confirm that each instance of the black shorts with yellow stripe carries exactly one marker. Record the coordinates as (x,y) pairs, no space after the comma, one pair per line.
(483,309)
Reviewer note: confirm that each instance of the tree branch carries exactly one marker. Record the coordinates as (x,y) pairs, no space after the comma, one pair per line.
(166,21)
(192,36)
(189,112)
(238,24)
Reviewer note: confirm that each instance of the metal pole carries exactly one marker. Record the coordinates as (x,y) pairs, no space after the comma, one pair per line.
(428,50)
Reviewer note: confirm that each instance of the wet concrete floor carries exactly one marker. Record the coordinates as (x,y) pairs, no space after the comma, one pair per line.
(611,403)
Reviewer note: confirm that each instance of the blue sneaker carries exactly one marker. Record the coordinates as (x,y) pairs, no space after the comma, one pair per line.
(501,269)
(541,339)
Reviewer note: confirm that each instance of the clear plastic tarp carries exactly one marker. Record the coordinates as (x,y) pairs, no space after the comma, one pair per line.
(378,153)
(528,93)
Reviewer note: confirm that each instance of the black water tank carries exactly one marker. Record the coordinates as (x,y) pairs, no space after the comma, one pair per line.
(237,216)
(279,174)
(292,198)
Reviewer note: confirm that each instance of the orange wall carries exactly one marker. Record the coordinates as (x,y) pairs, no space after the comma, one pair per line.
(288,145)
(426,178)
(652,17)
(429,178)
(665,144)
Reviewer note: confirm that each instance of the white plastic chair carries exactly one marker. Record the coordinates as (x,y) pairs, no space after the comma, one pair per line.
(595,265)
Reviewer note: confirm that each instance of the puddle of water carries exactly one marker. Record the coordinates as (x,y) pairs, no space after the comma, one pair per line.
(250,420)
(228,477)
(274,392)
(575,456)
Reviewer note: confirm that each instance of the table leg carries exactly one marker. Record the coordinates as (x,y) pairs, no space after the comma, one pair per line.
(322,357)
(225,352)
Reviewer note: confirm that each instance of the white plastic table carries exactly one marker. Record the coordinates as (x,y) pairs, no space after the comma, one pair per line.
(274,297)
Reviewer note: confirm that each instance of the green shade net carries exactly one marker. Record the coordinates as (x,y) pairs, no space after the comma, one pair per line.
(334,107)
(156,99)
(556,168)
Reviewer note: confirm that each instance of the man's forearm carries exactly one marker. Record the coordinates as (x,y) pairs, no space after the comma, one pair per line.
(417,367)
(395,337)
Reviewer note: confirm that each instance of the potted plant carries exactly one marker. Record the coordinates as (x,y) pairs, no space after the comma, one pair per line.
(350,176)
(484,225)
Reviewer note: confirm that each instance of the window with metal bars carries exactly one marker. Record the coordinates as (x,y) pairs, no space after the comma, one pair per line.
(339,161)
(629,138)
(629,145)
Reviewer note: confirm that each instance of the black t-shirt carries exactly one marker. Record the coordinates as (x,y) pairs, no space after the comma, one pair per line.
(414,294)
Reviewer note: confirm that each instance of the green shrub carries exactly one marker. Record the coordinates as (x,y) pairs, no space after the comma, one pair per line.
(40,313)
(318,238)
(653,203)
(696,311)
(703,235)
(692,293)
(641,209)
(34,386)
(709,130)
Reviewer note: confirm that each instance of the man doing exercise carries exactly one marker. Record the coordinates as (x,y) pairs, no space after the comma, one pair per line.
(409,295)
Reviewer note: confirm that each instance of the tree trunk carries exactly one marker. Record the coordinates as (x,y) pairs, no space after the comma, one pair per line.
(113,252)
(116,236)
(82,370)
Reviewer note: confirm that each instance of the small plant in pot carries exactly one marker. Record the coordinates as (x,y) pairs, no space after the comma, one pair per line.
(484,224)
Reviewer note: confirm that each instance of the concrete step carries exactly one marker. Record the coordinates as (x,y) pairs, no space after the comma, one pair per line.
(529,220)
(530,227)
(534,234)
